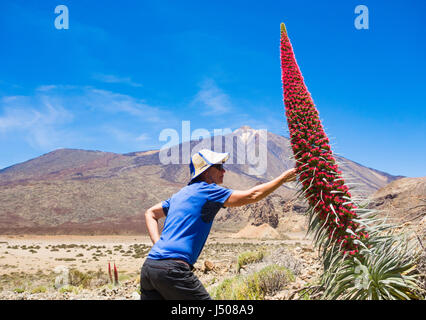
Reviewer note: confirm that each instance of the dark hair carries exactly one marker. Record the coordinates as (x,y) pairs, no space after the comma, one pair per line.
(199,178)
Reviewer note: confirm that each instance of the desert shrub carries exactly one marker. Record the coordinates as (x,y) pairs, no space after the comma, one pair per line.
(281,256)
(87,279)
(78,278)
(274,278)
(140,251)
(39,289)
(19,290)
(255,286)
(249,257)
(65,259)
(69,289)
(235,288)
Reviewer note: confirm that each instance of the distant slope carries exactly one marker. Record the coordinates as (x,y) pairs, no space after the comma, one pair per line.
(403,199)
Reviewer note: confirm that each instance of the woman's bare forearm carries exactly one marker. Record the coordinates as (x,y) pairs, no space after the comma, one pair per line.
(257,193)
(152,215)
(261,191)
(152,226)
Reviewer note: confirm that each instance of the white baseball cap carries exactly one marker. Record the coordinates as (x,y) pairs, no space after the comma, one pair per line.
(204,159)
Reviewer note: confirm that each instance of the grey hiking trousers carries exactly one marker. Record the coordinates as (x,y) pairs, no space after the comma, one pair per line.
(170,280)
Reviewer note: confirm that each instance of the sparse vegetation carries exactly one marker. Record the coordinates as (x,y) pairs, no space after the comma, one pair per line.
(19,290)
(223,256)
(65,259)
(39,289)
(255,286)
(274,278)
(87,279)
(78,278)
(249,257)
(69,289)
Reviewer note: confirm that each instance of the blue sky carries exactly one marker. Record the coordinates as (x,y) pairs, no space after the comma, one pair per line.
(126,70)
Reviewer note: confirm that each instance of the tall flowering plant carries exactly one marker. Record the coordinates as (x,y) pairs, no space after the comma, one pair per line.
(362,258)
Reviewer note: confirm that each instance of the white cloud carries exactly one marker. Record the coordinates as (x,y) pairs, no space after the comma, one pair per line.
(110,78)
(143,137)
(125,137)
(38,117)
(101,100)
(46,88)
(118,134)
(116,102)
(212,99)
(77,116)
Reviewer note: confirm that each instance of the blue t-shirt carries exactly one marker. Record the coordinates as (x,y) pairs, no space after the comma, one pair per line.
(190,214)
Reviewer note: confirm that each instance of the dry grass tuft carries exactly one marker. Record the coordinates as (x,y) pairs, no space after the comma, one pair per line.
(267,281)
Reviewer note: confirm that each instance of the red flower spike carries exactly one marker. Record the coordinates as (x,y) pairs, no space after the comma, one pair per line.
(309,140)
(109,272)
(115,275)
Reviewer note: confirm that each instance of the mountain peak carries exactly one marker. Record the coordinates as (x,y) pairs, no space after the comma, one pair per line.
(245,128)
(246,133)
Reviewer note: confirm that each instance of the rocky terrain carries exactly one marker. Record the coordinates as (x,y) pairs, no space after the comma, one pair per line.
(403,199)
(27,263)
(403,203)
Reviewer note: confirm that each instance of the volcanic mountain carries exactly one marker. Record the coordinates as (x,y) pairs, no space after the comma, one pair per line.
(404,200)
(70,191)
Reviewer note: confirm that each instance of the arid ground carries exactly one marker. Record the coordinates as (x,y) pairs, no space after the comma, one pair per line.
(30,265)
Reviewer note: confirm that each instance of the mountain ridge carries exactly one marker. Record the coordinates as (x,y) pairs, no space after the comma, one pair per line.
(93,192)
